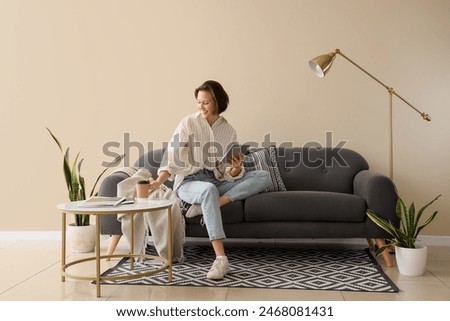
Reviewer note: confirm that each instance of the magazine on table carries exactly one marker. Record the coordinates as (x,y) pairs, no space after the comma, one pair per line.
(100,201)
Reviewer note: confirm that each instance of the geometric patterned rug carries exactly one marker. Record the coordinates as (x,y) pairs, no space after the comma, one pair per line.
(274,268)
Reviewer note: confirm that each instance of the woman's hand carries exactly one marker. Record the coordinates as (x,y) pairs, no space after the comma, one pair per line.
(163,176)
(154,185)
(236,163)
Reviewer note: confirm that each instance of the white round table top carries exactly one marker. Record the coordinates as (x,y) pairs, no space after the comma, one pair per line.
(137,206)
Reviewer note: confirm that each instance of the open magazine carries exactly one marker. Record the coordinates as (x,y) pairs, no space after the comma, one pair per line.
(100,201)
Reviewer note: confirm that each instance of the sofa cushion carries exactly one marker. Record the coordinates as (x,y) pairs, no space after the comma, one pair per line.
(319,169)
(265,159)
(311,206)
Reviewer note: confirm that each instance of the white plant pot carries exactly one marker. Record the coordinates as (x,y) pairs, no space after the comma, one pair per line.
(81,239)
(411,262)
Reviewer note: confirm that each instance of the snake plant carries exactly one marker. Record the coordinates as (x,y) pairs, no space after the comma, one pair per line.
(76,185)
(410,224)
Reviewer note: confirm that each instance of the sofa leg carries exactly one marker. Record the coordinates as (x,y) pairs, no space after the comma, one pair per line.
(386,256)
(370,242)
(113,244)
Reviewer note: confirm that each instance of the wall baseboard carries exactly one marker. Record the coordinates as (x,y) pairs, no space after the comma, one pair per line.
(434,240)
(34,236)
(56,235)
(30,235)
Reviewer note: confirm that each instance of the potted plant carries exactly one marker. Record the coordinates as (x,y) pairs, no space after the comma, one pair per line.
(410,255)
(76,188)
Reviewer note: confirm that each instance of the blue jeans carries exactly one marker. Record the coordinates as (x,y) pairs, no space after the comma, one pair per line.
(204,189)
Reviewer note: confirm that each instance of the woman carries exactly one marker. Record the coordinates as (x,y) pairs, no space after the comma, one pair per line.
(191,160)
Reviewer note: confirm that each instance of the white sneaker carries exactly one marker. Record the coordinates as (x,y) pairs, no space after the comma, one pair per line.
(194,210)
(219,269)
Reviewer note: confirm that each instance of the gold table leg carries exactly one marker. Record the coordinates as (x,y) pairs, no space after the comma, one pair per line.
(97,254)
(169,243)
(132,242)
(386,257)
(63,246)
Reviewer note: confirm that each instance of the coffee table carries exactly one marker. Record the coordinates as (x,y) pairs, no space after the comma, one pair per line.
(138,208)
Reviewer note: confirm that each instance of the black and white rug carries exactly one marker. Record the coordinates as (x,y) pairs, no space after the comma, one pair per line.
(274,268)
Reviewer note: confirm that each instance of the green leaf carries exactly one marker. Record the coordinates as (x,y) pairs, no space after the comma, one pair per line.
(82,191)
(420,213)
(384,248)
(410,219)
(82,188)
(115,162)
(385,225)
(67,172)
(55,139)
(86,219)
(400,209)
(75,180)
(428,221)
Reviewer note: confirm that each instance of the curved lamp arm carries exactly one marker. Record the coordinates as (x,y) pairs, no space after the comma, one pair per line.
(322,64)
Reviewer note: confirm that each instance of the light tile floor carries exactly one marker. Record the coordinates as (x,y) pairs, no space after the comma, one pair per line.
(30,271)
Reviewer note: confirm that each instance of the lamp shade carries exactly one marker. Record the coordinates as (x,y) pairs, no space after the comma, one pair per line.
(321,64)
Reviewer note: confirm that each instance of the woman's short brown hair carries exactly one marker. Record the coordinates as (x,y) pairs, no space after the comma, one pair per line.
(217,91)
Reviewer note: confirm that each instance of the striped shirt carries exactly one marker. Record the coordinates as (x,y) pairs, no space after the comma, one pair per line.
(195,145)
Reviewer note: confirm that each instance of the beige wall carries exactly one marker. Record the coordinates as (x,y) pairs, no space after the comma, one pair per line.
(94,70)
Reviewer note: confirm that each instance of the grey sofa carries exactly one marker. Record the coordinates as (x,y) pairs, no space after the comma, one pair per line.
(326,194)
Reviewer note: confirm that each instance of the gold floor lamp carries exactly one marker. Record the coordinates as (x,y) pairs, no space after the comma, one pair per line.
(322,64)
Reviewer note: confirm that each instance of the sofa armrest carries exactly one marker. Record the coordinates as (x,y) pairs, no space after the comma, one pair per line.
(108,187)
(379,193)
(109,223)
